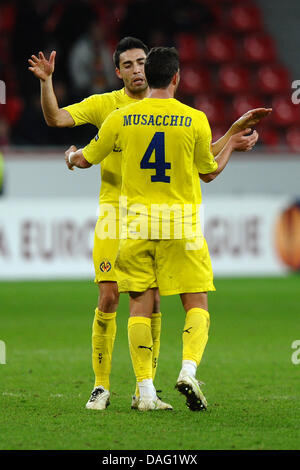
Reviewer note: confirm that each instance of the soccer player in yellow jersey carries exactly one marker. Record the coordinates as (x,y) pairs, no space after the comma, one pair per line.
(165,146)
(129,58)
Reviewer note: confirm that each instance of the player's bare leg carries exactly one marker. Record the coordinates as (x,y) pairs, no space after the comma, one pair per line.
(156,303)
(141,349)
(109,296)
(103,338)
(194,300)
(194,337)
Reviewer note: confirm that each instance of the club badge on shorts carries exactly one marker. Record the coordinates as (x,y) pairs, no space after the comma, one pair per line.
(105,266)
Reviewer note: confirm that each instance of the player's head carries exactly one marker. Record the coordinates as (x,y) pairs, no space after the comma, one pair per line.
(162,67)
(129,58)
(127,44)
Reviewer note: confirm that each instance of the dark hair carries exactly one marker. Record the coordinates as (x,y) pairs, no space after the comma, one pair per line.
(126,44)
(161,65)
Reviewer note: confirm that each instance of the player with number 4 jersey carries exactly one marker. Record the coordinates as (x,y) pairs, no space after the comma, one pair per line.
(165,147)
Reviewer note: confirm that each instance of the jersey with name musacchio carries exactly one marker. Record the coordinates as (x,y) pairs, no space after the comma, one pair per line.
(165,145)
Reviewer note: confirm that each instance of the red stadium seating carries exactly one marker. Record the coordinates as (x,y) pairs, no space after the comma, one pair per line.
(293,138)
(268,136)
(13,109)
(228,66)
(218,2)
(212,106)
(234,79)
(7,16)
(285,113)
(218,16)
(220,47)
(217,131)
(188,47)
(273,79)
(195,79)
(245,18)
(217,8)
(243,103)
(258,48)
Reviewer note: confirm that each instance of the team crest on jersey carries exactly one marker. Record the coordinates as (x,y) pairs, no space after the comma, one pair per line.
(105,266)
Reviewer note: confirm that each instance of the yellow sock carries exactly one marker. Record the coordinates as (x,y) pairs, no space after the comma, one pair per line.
(195,334)
(103,338)
(140,346)
(155,330)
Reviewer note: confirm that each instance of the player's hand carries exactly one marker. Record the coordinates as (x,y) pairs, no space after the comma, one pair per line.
(67,153)
(41,67)
(243,142)
(250,119)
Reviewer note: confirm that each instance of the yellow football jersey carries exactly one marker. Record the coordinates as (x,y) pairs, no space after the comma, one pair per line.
(94,110)
(165,145)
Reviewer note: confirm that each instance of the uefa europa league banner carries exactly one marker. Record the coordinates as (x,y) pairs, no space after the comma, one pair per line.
(53,238)
(46,238)
(253,235)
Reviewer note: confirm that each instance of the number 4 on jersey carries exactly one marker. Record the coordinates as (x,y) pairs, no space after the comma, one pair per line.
(157,145)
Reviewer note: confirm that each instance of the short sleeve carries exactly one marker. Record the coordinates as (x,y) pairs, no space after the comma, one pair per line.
(86,111)
(105,140)
(204,158)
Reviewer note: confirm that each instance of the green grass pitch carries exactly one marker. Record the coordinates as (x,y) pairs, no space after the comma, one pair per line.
(252,386)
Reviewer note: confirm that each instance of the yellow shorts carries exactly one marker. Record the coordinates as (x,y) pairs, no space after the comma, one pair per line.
(174,266)
(104,256)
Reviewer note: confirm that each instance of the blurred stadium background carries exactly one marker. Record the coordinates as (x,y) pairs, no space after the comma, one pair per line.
(235,55)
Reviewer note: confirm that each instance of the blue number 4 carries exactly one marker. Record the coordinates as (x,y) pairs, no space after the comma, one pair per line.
(157,145)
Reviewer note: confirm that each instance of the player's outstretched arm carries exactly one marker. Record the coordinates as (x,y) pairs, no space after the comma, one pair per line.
(43,70)
(247,120)
(250,119)
(74,157)
(240,142)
